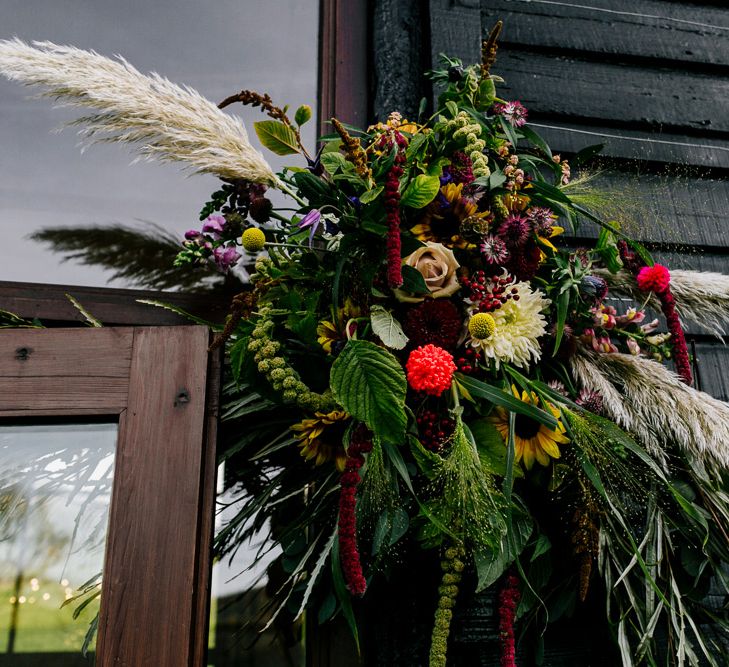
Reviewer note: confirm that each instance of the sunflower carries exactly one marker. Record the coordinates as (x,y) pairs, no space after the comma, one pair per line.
(442,220)
(329,333)
(533,441)
(320,438)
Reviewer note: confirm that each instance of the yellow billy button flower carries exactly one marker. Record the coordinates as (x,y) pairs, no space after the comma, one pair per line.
(482,326)
(253,239)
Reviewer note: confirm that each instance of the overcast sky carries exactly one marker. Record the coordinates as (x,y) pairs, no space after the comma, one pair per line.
(217,47)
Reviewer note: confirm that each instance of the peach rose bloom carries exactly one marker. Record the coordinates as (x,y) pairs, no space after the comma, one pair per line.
(437,264)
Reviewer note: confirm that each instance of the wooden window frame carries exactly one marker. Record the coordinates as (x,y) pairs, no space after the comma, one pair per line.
(161,385)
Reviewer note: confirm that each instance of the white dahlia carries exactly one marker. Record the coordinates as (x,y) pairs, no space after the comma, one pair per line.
(517,326)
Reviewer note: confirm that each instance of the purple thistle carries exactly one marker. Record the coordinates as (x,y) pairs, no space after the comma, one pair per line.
(590,400)
(494,250)
(515,230)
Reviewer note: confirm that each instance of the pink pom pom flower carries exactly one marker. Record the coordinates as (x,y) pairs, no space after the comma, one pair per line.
(430,369)
(654,279)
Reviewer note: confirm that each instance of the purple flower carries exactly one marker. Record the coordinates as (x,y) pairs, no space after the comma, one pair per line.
(192,234)
(514,112)
(542,218)
(515,230)
(312,220)
(214,225)
(225,257)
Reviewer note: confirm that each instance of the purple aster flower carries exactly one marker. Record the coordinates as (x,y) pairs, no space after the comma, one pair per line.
(225,257)
(311,220)
(515,230)
(214,225)
(514,112)
(494,250)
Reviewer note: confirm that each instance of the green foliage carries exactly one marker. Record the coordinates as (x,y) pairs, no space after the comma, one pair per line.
(278,137)
(421,191)
(369,383)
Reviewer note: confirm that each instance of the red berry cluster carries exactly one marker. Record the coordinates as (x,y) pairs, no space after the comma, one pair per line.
(509,597)
(490,292)
(434,429)
(466,363)
(392,210)
(349,554)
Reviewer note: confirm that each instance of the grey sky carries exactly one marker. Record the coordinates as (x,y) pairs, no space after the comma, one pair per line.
(217,47)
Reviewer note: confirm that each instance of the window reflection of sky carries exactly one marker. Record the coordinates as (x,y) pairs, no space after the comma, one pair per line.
(216,47)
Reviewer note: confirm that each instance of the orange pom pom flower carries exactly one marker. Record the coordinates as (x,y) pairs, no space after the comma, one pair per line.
(430,369)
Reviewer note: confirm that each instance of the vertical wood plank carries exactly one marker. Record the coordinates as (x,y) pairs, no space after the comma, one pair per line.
(152,551)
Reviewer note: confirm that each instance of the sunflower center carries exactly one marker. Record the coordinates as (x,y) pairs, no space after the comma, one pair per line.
(525,427)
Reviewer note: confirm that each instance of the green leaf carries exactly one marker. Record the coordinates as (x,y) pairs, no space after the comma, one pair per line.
(332,161)
(391,526)
(237,355)
(496,179)
(369,383)
(413,281)
(531,136)
(486,94)
(563,304)
(276,136)
(505,400)
(541,547)
(313,188)
(490,565)
(387,328)
(421,191)
(371,195)
(491,448)
(340,589)
(303,114)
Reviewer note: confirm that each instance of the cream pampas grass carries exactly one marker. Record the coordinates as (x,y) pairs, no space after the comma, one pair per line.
(165,122)
(701,297)
(647,399)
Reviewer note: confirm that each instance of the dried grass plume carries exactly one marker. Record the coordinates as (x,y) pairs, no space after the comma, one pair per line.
(650,401)
(165,122)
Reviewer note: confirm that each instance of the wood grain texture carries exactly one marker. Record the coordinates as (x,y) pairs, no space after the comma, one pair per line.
(64,371)
(643,28)
(112,306)
(558,86)
(455,29)
(150,569)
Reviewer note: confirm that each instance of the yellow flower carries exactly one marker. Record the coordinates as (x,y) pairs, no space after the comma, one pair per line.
(253,239)
(441,222)
(544,240)
(320,438)
(482,326)
(533,441)
(328,333)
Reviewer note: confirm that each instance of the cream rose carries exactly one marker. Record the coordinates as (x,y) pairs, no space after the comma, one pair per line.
(437,265)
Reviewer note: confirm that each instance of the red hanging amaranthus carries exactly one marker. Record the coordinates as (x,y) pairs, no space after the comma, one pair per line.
(657,279)
(509,597)
(392,208)
(348,552)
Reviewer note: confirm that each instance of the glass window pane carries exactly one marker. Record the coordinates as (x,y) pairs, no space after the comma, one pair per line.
(55,490)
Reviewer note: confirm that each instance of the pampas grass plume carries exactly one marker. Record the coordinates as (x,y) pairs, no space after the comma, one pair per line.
(164,121)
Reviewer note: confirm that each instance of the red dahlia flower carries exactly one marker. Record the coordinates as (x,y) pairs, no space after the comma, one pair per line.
(430,369)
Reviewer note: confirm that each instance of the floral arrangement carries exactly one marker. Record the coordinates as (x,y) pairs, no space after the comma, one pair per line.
(418,365)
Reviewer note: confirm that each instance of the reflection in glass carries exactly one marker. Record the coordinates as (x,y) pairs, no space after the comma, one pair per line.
(55,490)
(240,609)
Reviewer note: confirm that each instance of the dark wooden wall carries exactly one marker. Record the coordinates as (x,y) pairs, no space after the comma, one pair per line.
(650,80)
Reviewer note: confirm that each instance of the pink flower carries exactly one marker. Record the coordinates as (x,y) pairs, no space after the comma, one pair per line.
(225,257)
(633,347)
(632,315)
(214,225)
(650,327)
(605,317)
(514,112)
(654,278)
